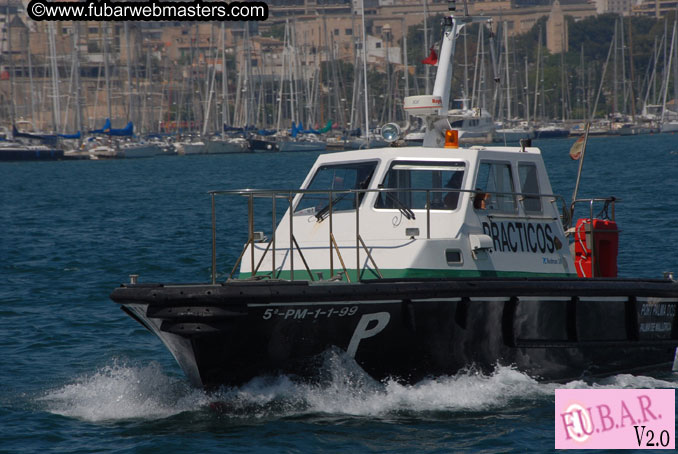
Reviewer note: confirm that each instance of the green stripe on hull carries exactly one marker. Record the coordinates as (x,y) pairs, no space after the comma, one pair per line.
(412,273)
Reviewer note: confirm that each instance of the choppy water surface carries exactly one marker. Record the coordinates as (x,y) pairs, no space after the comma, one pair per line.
(78,375)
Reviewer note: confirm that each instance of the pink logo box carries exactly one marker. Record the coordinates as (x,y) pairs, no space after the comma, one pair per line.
(615,418)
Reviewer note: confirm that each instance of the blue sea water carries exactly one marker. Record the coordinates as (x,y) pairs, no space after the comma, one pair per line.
(78,376)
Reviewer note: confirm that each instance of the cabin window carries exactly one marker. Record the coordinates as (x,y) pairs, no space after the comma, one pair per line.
(494,184)
(336,177)
(443,179)
(529,184)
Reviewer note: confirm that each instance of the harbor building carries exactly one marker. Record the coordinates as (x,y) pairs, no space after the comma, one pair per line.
(556,30)
(654,8)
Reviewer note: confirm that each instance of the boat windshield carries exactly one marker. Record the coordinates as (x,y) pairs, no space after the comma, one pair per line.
(443,179)
(336,177)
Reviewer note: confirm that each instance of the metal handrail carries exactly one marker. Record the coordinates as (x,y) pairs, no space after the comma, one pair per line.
(291,195)
(608,201)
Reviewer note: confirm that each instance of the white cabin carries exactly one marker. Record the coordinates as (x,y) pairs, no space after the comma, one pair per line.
(418,212)
(422,212)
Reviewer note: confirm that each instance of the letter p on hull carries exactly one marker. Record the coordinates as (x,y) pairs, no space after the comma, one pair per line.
(363,332)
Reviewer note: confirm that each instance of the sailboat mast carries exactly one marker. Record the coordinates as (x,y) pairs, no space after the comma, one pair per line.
(130,99)
(12,111)
(282,78)
(631,71)
(466,93)
(406,72)
(56,102)
(476,68)
(563,99)
(651,82)
(30,82)
(675,64)
(107,72)
(536,77)
(367,115)
(668,70)
(527,93)
(582,83)
(623,65)
(225,110)
(210,93)
(602,81)
(508,75)
(76,64)
(356,88)
(614,71)
(292,64)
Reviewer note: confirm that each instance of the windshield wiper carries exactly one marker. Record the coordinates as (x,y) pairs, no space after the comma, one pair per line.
(405,211)
(325,211)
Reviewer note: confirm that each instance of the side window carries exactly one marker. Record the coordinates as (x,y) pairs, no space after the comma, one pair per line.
(529,184)
(443,180)
(494,184)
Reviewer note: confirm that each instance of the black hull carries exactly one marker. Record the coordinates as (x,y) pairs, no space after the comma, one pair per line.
(552,134)
(258,145)
(558,329)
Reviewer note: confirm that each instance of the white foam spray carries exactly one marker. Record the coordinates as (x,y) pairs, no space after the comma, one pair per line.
(120,391)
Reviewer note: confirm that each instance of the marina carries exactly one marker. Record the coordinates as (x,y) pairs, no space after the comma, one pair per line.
(299,84)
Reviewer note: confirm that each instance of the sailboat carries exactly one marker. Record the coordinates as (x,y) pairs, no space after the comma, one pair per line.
(367,139)
(508,131)
(300,139)
(223,143)
(669,124)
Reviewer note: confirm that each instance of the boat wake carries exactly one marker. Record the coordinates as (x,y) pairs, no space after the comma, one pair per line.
(122,392)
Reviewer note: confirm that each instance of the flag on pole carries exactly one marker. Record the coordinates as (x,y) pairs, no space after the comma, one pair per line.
(577,148)
(432,58)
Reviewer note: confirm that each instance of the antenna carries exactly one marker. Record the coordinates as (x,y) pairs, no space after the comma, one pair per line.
(433,109)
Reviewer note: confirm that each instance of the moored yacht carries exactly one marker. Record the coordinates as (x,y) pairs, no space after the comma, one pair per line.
(513,134)
(551,131)
(224,145)
(306,142)
(474,125)
(15,151)
(139,149)
(669,126)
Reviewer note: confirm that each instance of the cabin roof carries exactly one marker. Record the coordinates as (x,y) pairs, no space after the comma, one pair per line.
(424,153)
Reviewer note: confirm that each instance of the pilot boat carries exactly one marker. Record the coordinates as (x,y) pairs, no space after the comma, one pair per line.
(417,262)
